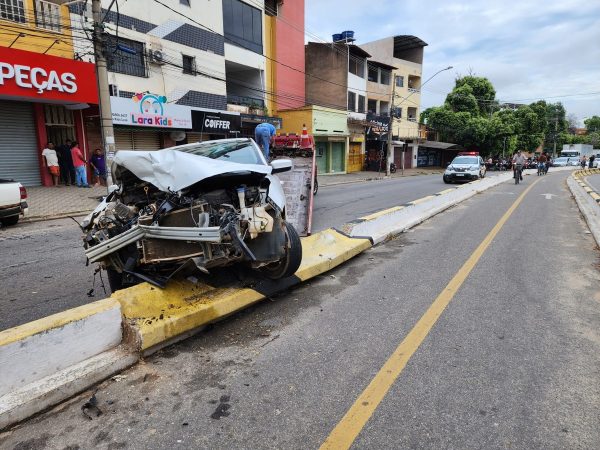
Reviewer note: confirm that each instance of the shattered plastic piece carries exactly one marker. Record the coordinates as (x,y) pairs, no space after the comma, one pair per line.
(91,406)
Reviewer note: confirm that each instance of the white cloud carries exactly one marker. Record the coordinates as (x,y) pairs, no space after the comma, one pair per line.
(528,49)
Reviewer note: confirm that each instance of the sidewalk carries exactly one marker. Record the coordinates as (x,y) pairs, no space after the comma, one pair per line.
(357,177)
(62,201)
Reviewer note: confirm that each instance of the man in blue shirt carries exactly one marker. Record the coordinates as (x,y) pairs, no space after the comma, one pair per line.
(262,136)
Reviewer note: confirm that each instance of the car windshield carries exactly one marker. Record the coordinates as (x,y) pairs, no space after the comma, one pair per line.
(242,152)
(465,160)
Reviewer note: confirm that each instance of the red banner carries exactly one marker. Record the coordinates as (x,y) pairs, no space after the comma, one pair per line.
(42,77)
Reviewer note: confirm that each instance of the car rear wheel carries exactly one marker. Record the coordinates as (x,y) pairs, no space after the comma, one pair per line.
(12,220)
(288,265)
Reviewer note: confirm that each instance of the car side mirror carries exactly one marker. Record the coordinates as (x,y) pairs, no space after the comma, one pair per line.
(281,165)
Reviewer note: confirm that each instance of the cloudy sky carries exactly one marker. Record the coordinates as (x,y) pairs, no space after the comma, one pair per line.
(529,50)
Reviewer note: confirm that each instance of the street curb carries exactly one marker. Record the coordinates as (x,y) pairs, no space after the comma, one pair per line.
(383,178)
(56,216)
(588,200)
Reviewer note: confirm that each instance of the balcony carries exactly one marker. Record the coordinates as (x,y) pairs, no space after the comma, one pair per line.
(245,105)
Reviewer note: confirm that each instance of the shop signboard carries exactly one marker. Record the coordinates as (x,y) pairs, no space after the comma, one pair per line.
(379,124)
(42,77)
(150,110)
(215,122)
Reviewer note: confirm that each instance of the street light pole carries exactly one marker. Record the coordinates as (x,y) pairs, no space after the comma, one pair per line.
(106,124)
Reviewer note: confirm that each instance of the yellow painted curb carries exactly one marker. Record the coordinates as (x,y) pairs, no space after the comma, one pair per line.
(159,315)
(327,249)
(421,200)
(57,320)
(381,213)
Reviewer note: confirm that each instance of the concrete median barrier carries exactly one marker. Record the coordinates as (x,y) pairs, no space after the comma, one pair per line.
(588,200)
(47,360)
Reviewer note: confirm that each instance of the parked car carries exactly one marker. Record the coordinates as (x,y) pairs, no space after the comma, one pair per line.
(200,206)
(465,167)
(13,202)
(563,161)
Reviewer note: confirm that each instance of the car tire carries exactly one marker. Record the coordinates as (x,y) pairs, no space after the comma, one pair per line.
(446,180)
(115,280)
(8,221)
(316,187)
(288,265)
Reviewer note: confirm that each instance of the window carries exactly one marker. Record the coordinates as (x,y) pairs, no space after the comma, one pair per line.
(400,81)
(361,103)
(271,7)
(126,56)
(384,108)
(373,74)
(189,65)
(47,15)
(12,10)
(242,25)
(185,3)
(351,101)
(397,113)
(372,106)
(385,77)
(357,66)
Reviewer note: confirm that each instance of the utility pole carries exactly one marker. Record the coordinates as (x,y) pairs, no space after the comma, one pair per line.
(390,126)
(106,124)
(555,132)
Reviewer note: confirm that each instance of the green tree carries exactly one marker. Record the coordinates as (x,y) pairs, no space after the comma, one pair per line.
(483,90)
(461,99)
(592,124)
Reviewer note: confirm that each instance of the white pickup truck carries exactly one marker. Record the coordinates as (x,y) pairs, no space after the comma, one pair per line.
(13,202)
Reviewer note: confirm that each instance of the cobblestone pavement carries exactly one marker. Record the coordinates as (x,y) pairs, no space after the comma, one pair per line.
(51,202)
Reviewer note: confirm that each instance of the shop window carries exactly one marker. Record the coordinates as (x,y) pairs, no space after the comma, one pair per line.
(126,56)
(373,74)
(47,15)
(189,65)
(271,7)
(351,101)
(12,10)
(372,106)
(400,81)
(242,25)
(357,66)
(385,77)
(361,103)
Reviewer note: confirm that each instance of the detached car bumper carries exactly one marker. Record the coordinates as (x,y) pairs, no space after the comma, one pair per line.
(15,210)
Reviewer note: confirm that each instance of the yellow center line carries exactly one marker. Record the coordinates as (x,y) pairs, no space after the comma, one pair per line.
(346,431)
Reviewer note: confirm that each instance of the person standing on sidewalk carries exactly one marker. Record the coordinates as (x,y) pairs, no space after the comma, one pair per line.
(65,161)
(51,160)
(262,135)
(592,158)
(99,166)
(80,166)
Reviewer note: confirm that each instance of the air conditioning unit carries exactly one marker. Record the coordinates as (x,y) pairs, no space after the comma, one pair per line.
(155,54)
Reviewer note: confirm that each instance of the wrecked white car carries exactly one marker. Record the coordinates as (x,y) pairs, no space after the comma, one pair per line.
(201,206)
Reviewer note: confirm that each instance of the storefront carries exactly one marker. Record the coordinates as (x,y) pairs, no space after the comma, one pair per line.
(148,121)
(207,125)
(42,99)
(356,149)
(250,121)
(436,154)
(330,130)
(376,143)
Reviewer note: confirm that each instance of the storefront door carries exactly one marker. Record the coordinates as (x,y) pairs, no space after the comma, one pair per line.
(337,157)
(355,157)
(322,157)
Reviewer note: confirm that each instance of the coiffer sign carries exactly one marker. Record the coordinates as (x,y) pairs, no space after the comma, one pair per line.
(44,77)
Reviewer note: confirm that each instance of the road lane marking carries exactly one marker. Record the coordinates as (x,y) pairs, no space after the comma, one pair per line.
(347,430)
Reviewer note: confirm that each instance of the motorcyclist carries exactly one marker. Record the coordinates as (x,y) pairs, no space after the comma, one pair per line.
(542,163)
(518,160)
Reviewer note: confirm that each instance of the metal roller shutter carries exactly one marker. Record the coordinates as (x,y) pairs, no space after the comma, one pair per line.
(18,143)
(146,140)
(197,137)
(123,140)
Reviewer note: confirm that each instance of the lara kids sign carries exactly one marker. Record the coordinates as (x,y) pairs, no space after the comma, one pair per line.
(149,110)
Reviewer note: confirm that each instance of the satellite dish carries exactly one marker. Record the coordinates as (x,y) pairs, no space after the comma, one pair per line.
(177,135)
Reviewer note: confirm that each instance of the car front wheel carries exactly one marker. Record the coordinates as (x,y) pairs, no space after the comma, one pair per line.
(288,265)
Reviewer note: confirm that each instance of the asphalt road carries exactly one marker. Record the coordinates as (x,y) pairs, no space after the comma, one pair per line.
(42,265)
(511,362)
(594,181)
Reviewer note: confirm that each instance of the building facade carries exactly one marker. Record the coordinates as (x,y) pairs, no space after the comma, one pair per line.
(43,90)
(405,54)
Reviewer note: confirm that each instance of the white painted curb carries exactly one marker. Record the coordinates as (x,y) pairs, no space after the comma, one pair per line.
(588,207)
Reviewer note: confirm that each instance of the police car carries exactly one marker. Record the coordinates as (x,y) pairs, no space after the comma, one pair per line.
(466,166)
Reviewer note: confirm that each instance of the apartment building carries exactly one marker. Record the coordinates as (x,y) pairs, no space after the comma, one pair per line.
(42,89)
(181,71)
(405,54)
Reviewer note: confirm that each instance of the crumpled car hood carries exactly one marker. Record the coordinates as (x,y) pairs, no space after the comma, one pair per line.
(172,170)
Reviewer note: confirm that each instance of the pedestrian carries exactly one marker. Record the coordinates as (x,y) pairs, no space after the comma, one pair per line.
(51,161)
(80,166)
(99,165)
(583,161)
(65,161)
(262,135)
(592,158)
